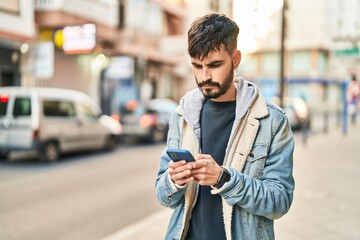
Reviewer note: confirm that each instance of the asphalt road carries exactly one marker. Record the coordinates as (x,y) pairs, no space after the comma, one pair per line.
(85,196)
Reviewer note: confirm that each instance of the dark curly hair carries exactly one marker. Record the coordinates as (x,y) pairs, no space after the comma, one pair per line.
(209,33)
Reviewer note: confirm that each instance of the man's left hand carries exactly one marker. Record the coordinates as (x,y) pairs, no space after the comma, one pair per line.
(205,170)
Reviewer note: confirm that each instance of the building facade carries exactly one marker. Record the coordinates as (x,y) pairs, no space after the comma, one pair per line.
(319,34)
(96,46)
(16,29)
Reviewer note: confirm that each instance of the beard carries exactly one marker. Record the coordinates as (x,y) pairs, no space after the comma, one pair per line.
(216,89)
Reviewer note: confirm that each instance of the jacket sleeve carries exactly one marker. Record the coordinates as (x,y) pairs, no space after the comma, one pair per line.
(271,194)
(167,193)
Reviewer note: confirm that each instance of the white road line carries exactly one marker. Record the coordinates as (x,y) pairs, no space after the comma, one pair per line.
(151,227)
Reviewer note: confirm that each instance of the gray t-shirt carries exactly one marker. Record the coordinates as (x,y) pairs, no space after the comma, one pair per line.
(216,122)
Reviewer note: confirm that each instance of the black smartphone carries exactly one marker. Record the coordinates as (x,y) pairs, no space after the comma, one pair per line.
(180,154)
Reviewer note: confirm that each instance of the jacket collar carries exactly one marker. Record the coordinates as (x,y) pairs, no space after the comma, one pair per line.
(246,94)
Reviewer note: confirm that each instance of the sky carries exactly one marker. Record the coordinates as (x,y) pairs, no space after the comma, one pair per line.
(256,21)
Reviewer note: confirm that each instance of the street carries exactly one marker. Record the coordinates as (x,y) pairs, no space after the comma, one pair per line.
(326,198)
(84,196)
(111,195)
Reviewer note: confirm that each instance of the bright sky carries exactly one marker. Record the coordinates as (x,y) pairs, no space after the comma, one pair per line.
(254,20)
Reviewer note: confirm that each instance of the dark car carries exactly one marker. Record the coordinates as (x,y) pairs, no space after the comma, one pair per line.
(297,111)
(149,122)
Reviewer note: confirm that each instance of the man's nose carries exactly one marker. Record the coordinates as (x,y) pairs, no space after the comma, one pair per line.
(205,74)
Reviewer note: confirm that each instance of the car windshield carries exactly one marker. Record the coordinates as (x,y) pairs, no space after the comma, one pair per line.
(162,105)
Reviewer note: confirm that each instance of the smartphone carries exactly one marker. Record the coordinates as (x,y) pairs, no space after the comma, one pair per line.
(180,154)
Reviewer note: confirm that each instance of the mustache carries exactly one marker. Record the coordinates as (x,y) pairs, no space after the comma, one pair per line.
(208,82)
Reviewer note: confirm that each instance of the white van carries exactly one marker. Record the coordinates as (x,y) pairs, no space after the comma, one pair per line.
(53,121)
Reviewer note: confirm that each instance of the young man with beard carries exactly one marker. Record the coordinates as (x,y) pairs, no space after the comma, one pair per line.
(243,145)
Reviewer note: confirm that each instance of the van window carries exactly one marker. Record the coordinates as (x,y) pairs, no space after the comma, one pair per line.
(87,112)
(3,107)
(22,107)
(59,109)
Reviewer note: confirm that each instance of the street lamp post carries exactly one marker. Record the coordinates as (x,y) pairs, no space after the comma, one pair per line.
(282,53)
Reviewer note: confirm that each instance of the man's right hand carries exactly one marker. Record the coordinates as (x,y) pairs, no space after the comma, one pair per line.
(180,172)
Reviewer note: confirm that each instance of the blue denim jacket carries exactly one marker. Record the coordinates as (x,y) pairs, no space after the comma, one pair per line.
(259,158)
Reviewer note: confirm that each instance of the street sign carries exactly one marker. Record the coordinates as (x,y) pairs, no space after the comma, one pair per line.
(348,51)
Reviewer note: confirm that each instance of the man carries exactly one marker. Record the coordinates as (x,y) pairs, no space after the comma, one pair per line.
(242,177)
(353,97)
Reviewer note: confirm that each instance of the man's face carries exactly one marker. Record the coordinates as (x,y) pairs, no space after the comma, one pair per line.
(214,74)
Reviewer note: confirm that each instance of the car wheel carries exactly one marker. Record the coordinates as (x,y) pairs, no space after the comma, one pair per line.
(111,143)
(4,155)
(50,152)
(157,135)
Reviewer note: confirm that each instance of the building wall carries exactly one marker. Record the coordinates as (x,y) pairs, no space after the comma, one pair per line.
(323,26)
(315,32)
(308,26)
(17,23)
(16,29)
(78,72)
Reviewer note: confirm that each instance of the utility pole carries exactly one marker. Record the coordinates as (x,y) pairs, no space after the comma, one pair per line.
(282,53)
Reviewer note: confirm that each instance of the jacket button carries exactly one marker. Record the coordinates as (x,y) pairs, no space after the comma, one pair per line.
(251,155)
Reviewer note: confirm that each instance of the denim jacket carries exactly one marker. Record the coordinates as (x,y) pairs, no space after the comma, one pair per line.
(259,157)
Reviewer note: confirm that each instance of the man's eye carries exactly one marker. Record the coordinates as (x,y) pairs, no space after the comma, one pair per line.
(197,66)
(214,65)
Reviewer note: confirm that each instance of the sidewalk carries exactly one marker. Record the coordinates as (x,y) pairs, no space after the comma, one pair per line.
(326,200)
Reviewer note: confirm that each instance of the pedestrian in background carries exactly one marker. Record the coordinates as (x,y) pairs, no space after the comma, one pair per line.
(243,145)
(353,97)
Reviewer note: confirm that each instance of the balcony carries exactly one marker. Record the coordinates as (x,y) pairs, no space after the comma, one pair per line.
(61,13)
(105,12)
(17,21)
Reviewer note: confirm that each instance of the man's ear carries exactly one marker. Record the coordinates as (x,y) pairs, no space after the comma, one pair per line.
(236,58)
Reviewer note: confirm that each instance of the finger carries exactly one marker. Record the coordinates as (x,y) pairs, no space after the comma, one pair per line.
(202,163)
(181,175)
(203,156)
(184,181)
(198,171)
(181,168)
(176,164)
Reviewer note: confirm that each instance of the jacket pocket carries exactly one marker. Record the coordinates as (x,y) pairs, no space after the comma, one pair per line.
(255,161)
(265,229)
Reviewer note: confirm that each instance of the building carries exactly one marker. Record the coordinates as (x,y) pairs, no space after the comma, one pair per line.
(17,28)
(319,34)
(100,46)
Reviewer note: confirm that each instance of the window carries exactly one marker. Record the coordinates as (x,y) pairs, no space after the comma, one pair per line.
(22,107)
(248,64)
(59,109)
(214,5)
(10,6)
(322,62)
(270,63)
(121,14)
(87,112)
(300,62)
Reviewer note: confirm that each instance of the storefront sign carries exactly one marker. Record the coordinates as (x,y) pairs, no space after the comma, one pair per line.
(79,39)
(120,68)
(43,55)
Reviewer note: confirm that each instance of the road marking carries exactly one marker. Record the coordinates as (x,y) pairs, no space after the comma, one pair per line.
(151,227)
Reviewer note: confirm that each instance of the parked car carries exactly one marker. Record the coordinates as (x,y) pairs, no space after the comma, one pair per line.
(164,108)
(149,122)
(53,121)
(297,111)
